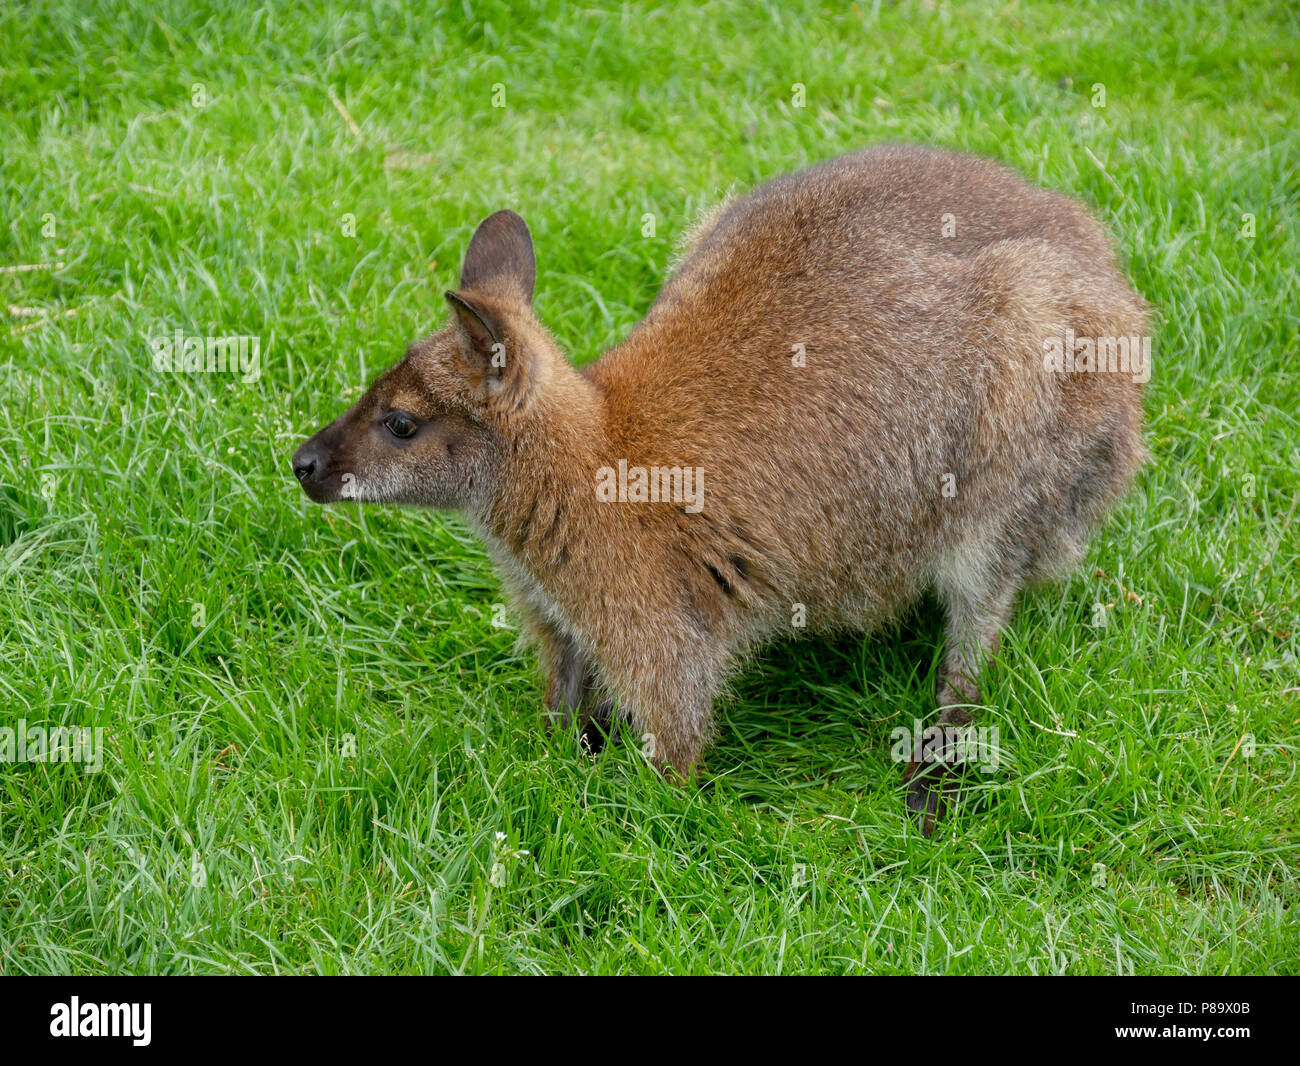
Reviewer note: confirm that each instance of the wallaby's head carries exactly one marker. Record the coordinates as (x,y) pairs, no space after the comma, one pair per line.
(432,429)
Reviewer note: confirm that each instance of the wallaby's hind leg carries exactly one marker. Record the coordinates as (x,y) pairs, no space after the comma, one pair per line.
(976,614)
(978,596)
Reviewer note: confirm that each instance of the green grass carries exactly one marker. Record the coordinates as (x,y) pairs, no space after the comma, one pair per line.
(313,777)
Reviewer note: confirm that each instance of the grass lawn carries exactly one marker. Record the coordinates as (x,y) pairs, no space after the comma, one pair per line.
(323,751)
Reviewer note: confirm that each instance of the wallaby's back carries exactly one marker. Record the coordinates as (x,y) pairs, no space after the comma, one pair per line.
(918,286)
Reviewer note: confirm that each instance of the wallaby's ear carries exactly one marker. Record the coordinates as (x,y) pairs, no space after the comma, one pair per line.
(496,364)
(481,334)
(499,259)
(497,277)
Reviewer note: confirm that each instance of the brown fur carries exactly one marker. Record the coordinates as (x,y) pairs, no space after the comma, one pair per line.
(822,483)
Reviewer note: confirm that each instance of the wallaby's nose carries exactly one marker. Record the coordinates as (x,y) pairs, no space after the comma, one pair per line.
(305,460)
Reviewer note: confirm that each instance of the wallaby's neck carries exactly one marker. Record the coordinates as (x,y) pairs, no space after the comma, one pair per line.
(545,511)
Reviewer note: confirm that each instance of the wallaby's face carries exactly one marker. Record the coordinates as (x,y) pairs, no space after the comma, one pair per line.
(428,430)
(410,439)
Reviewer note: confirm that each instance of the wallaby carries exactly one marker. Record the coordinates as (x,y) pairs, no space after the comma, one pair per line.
(900,370)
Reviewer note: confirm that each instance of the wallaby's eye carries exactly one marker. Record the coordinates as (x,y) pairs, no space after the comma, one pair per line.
(400,425)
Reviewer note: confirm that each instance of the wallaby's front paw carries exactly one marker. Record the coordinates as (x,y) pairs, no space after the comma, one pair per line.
(598,728)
